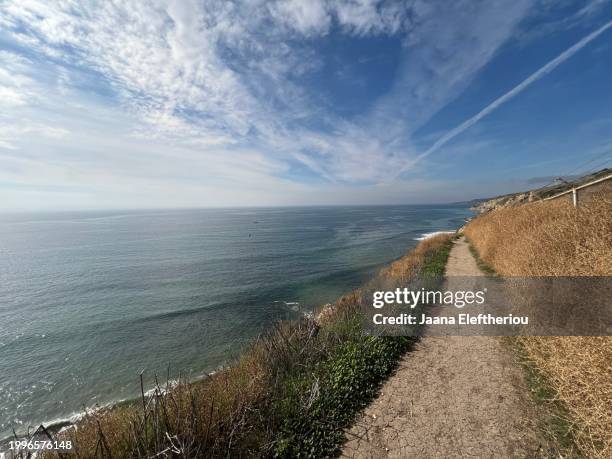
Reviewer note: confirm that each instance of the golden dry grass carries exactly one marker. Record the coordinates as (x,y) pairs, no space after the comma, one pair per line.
(409,265)
(401,270)
(206,416)
(549,238)
(555,239)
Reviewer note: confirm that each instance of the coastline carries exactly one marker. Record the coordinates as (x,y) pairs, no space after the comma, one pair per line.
(163,282)
(60,425)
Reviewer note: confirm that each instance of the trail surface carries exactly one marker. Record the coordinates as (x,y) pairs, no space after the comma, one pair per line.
(452,396)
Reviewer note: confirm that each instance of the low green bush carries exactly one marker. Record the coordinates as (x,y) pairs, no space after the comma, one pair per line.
(319,403)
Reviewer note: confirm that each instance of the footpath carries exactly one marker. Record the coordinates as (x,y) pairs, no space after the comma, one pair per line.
(452,396)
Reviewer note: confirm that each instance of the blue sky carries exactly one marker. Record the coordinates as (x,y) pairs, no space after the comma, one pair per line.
(299,102)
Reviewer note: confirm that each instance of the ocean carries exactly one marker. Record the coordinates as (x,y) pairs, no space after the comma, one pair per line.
(88,300)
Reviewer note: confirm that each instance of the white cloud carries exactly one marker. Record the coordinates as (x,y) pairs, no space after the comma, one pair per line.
(541,72)
(371,16)
(188,90)
(305,16)
(10,97)
(447,44)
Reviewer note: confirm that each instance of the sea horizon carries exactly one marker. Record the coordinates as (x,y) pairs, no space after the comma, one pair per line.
(262,207)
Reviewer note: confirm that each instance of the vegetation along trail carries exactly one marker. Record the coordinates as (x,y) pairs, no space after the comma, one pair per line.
(453,396)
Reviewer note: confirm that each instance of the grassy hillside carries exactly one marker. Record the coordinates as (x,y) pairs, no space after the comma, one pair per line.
(555,239)
(486,205)
(290,395)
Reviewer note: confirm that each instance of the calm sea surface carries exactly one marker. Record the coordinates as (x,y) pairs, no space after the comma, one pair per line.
(88,300)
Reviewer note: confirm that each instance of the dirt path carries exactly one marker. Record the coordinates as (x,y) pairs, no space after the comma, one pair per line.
(454,396)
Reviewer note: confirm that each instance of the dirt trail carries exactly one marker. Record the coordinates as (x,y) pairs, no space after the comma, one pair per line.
(453,396)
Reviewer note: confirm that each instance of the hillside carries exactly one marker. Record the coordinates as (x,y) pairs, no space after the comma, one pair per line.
(557,239)
(486,205)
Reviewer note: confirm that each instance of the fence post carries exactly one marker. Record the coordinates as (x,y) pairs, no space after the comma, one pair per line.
(574,197)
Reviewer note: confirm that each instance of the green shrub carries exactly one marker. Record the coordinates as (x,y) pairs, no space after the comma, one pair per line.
(320,404)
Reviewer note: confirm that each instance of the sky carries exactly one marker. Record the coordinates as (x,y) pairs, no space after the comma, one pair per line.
(215,103)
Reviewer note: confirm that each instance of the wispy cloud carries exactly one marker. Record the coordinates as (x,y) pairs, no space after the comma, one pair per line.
(223,75)
(543,71)
(194,96)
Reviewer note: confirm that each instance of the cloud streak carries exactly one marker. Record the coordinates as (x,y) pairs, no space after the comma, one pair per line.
(543,71)
(207,95)
(229,77)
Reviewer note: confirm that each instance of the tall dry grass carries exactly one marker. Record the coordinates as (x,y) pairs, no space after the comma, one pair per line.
(555,239)
(410,264)
(401,270)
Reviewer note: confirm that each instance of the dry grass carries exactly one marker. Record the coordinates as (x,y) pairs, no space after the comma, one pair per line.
(410,264)
(554,239)
(202,419)
(546,239)
(273,401)
(401,270)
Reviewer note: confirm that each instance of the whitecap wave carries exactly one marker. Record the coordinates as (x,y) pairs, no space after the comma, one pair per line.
(424,236)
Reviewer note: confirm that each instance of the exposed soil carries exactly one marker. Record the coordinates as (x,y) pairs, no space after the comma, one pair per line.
(453,396)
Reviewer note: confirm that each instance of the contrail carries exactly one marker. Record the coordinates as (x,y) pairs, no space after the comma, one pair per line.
(550,66)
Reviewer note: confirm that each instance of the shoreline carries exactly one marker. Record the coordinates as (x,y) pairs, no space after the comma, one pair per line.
(58,425)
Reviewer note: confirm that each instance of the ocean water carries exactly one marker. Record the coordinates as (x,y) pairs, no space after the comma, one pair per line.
(89,300)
